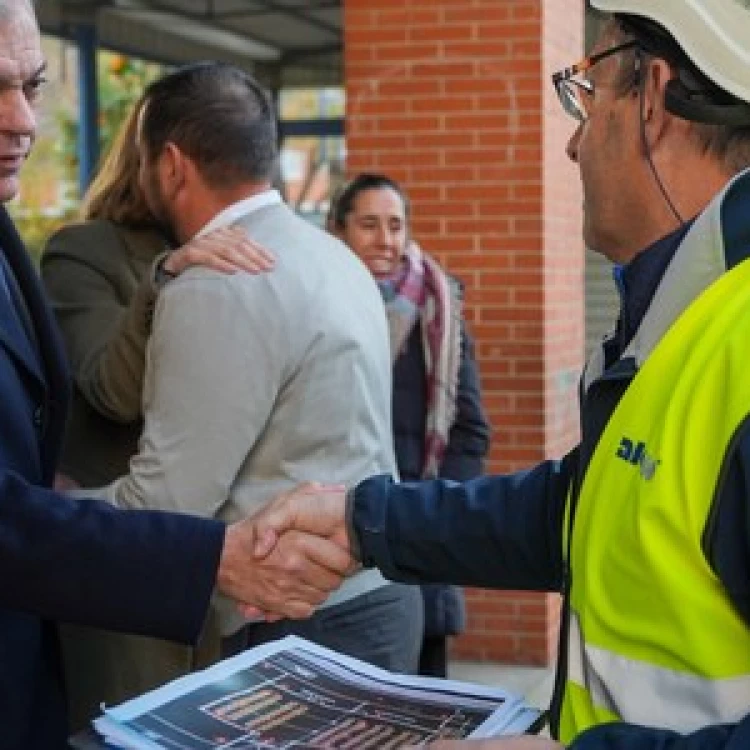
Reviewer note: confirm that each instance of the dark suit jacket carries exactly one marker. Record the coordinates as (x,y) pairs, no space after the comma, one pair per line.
(74,560)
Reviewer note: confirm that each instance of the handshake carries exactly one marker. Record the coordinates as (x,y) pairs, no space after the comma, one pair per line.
(287,558)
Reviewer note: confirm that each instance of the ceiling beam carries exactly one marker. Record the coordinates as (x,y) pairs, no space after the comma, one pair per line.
(301,15)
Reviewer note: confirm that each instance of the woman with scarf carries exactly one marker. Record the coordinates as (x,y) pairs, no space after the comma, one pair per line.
(439,426)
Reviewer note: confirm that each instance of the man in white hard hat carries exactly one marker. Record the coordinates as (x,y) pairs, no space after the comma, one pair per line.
(645,526)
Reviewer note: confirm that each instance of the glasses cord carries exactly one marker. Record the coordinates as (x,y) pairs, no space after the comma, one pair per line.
(644,140)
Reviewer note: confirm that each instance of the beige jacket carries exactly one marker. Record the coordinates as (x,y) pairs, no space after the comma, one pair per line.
(256,383)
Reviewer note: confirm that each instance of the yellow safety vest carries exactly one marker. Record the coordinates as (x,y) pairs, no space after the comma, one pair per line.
(654,638)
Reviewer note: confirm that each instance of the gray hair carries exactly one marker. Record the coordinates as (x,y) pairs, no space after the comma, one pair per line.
(9,7)
(729,144)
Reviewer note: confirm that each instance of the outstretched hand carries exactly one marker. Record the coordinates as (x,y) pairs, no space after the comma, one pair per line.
(291,580)
(291,522)
(314,508)
(227,250)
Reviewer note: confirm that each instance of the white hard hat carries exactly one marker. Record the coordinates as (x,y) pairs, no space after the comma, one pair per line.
(714,34)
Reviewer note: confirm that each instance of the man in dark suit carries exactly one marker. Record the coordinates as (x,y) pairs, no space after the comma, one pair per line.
(80,560)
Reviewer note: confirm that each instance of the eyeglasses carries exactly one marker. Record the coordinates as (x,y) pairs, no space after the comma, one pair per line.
(575,93)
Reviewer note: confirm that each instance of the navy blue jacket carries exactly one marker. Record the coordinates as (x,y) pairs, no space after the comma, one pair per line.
(468,443)
(74,560)
(469,438)
(506,531)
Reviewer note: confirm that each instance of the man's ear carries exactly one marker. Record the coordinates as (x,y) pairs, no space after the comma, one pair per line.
(656,118)
(172,169)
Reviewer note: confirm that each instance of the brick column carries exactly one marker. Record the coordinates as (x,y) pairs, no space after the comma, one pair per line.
(452,98)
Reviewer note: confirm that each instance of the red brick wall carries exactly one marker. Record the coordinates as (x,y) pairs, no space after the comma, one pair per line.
(452,98)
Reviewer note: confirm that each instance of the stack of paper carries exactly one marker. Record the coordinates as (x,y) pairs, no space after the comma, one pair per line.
(294,694)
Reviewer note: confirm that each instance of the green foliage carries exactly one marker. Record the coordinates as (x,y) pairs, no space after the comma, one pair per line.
(36,227)
(121,82)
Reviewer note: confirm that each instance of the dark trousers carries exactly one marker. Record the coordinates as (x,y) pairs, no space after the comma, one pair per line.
(433,658)
(383,627)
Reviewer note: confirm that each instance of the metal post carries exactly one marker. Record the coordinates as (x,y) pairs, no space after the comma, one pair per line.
(88,104)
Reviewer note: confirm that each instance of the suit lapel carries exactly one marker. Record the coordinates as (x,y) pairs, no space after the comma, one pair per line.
(16,332)
(54,376)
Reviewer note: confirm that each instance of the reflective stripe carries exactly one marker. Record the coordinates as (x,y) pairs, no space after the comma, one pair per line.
(646,694)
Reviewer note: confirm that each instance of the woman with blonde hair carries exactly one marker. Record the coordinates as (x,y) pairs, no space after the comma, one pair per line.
(103,275)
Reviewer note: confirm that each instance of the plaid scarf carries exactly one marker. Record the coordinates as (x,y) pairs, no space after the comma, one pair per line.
(424,293)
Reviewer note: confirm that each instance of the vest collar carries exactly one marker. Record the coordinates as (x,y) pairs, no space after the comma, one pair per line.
(699,260)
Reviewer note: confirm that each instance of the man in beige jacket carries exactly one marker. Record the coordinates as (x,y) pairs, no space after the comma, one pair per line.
(254,383)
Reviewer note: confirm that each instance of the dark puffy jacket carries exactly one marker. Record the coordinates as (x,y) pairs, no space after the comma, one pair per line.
(468,444)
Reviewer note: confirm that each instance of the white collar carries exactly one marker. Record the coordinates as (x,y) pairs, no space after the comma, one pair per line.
(229,215)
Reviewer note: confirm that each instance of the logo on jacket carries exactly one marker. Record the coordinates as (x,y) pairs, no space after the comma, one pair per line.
(636,454)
